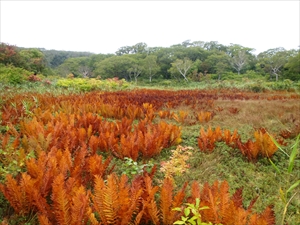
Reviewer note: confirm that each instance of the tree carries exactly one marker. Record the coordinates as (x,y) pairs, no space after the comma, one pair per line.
(198,44)
(215,58)
(54,58)
(221,67)
(135,70)
(77,66)
(292,67)
(273,60)
(9,55)
(139,48)
(115,66)
(182,66)
(151,66)
(94,59)
(239,61)
(124,50)
(186,43)
(195,75)
(165,57)
(33,60)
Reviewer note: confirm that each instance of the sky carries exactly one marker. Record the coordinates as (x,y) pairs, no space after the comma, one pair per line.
(105,26)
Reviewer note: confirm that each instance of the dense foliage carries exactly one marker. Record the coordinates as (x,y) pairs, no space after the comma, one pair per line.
(191,61)
(88,156)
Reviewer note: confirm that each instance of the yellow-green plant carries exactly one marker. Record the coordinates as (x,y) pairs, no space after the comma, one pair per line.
(177,163)
(287,195)
(192,214)
(132,168)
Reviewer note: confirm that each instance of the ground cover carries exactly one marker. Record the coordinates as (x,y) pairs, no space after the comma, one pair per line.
(73,133)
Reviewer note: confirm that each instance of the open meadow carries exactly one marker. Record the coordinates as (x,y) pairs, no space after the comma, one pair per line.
(133,156)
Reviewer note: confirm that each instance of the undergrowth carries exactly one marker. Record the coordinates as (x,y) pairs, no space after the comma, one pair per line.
(224,163)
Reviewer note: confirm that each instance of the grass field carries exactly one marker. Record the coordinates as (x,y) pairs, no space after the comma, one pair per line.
(147,125)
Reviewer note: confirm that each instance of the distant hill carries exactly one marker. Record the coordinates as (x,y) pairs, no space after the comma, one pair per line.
(54,58)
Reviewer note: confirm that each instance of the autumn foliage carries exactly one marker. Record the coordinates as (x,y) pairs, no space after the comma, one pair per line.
(262,146)
(74,139)
(108,199)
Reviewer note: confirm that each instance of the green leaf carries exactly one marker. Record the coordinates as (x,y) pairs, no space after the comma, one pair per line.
(177,209)
(293,186)
(192,222)
(204,207)
(293,154)
(278,145)
(193,218)
(275,167)
(179,222)
(187,211)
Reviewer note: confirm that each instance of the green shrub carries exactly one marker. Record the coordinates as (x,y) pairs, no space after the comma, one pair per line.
(231,76)
(85,84)
(251,74)
(13,75)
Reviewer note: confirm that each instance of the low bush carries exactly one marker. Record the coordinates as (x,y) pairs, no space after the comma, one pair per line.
(84,84)
(13,75)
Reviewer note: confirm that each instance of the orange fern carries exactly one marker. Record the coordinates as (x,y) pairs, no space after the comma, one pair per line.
(61,201)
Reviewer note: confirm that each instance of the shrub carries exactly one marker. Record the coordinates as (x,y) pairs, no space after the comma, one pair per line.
(84,84)
(13,75)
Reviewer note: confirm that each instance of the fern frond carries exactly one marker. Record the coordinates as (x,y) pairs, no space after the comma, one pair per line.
(149,204)
(43,220)
(61,204)
(237,198)
(80,207)
(105,199)
(15,195)
(166,200)
(267,216)
(225,207)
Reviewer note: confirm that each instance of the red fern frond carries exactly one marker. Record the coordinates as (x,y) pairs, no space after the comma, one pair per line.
(267,217)
(80,207)
(166,200)
(61,204)
(43,220)
(106,199)
(15,195)
(151,212)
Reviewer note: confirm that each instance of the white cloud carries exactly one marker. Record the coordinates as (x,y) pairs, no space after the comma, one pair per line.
(104,26)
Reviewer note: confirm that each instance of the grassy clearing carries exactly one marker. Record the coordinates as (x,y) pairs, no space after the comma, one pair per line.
(275,114)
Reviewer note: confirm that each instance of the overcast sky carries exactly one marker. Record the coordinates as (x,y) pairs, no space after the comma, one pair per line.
(105,26)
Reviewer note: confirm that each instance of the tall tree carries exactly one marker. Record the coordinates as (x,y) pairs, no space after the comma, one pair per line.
(78,66)
(221,68)
(33,60)
(273,60)
(135,70)
(239,60)
(139,48)
(9,55)
(124,50)
(292,67)
(151,66)
(187,43)
(182,66)
(115,66)
(216,57)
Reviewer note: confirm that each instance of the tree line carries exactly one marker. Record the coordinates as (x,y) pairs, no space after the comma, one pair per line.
(186,61)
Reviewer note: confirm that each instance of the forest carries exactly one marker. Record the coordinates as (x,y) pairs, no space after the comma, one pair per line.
(190,61)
